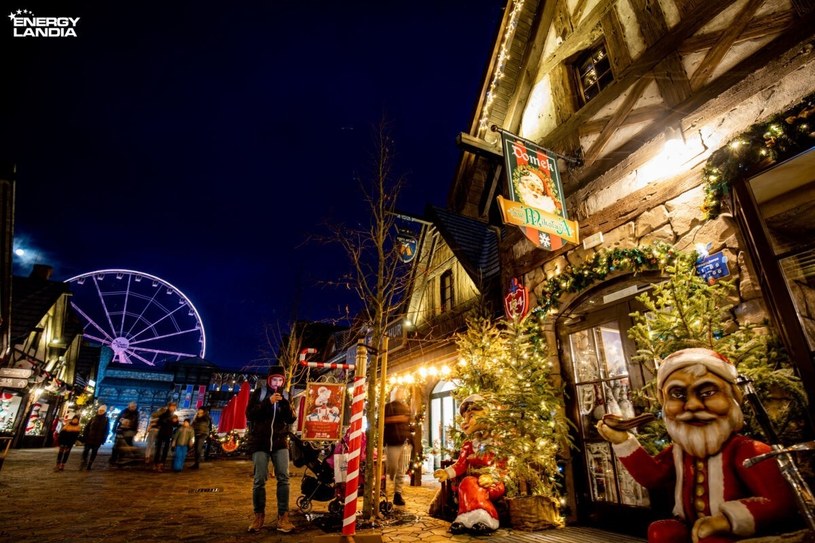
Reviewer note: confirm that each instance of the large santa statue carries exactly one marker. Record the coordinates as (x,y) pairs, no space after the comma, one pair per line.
(717,499)
(476,512)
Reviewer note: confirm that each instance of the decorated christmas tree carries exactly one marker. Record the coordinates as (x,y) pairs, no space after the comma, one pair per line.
(687,311)
(507,362)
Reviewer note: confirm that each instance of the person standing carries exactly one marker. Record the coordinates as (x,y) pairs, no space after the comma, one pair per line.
(397,441)
(270,414)
(66,439)
(95,433)
(201,427)
(182,438)
(125,427)
(164,421)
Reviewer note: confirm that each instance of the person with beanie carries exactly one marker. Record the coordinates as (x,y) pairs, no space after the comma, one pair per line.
(270,415)
(95,433)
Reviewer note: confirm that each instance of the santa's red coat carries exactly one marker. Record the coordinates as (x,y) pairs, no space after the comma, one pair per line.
(752,499)
(472,496)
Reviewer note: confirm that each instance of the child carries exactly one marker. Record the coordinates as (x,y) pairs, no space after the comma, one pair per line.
(181,443)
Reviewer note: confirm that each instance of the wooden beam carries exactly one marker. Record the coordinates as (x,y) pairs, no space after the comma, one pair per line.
(776,59)
(616,120)
(645,63)
(725,42)
(616,43)
(578,11)
(760,27)
(669,74)
(585,33)
(642,114)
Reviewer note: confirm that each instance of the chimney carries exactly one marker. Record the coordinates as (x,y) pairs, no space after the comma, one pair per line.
(41,271)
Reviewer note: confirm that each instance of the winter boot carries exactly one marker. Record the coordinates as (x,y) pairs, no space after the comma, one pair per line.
(257,523)
(284,524)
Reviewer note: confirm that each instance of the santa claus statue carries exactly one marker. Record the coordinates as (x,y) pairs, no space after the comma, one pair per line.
(717,499)
(476,512)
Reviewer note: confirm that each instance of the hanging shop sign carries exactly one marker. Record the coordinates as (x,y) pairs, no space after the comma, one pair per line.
(407,245)
(10,382)
(323,411)
(17,373)
(712,267)
(536,202)
(516,302)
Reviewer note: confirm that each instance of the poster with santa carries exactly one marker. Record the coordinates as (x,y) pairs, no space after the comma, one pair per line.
(323,411)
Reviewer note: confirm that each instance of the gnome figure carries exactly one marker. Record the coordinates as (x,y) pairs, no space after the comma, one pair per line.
(476,512)
(717,499)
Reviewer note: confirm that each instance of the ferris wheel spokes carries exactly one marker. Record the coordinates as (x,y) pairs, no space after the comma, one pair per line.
(104,305)
(153,324)
(163,336)
(108,337)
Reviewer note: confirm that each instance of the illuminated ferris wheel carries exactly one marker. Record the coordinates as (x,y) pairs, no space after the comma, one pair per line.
(142,318)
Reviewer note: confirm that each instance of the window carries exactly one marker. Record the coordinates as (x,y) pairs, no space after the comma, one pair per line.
(593,69)
(446,291)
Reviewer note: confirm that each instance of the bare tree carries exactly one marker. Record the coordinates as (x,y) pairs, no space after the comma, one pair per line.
(377,276)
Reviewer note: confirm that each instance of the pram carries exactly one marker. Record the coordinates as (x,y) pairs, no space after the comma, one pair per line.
(318,481)
(126,454)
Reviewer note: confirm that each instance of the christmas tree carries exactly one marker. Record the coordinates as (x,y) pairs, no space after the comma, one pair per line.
(507,362)
(687,311)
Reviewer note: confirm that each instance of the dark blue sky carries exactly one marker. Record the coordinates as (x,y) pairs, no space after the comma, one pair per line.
(202,142)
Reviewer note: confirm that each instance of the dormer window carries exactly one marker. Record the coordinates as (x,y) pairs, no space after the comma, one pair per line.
(593,70)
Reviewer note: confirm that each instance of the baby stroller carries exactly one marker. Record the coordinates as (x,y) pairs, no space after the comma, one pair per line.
(318,481)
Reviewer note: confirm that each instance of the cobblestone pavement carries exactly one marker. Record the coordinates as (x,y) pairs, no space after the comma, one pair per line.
(114,505)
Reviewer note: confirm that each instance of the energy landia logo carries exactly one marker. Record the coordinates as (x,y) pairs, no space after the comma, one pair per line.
(26,25)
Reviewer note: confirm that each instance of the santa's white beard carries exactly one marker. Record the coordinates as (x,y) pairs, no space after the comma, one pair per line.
(707,440)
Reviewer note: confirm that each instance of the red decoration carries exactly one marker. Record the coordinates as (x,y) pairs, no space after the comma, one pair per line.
(516,302)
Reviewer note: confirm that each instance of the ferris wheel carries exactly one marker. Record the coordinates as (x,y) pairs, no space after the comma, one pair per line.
(142,318)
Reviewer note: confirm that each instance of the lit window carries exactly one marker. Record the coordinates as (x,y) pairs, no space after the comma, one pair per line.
(446,284)
(593,72)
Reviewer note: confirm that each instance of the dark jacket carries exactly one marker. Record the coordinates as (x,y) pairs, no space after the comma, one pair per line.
(269,423)
(96,431)
(201,426)
(164,422)
(127,421)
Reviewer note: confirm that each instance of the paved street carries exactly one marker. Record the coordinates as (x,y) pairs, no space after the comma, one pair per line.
(113,505)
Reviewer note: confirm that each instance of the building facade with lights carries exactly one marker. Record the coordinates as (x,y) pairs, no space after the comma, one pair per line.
(455,270)
(677,126)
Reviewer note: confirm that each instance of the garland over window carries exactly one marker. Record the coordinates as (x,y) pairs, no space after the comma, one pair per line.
(577,278)
(762,145)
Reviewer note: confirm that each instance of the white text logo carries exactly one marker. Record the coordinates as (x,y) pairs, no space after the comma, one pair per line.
(26,25)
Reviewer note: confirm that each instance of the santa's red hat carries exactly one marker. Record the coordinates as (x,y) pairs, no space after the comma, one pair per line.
(713,361)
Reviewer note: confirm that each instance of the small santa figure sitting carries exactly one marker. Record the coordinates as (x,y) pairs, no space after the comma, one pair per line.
(476,512)
(717,499)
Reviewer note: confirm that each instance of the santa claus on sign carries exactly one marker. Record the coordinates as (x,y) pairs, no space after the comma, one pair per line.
(717,499)
(476,511)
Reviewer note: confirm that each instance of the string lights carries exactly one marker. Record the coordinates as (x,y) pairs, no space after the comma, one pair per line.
(500,65)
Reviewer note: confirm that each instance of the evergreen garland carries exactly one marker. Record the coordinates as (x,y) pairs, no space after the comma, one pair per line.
(763,144)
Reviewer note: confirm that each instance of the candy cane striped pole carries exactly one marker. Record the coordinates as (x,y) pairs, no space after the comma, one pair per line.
(349,517)
(333,365)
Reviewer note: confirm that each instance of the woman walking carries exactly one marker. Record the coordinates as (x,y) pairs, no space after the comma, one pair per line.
(66,439)
(95,433)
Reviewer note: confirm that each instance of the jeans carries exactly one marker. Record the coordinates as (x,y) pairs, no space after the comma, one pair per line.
(65,450)
(280,460)
(397,458)
(92,450)
(162,448)
(200,443)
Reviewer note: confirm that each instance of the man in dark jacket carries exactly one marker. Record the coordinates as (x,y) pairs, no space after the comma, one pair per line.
(165,421)
(201,426)
(126,426)
(270,415)
(96,433)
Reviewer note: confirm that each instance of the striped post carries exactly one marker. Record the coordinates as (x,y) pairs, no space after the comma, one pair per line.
(349,517)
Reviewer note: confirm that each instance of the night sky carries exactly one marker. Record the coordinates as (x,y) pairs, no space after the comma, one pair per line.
(203,142)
